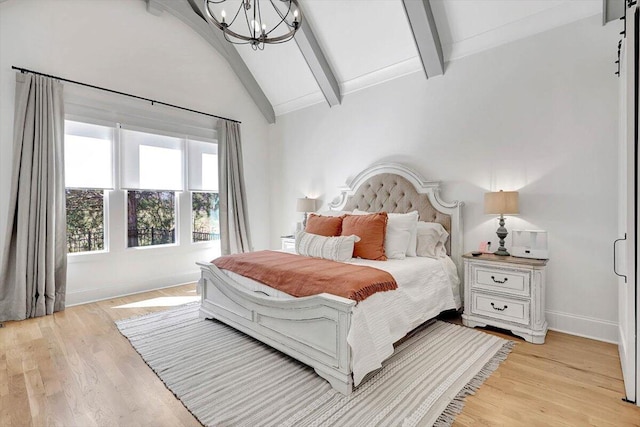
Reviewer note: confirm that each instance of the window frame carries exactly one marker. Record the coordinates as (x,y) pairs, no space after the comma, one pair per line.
(115,207)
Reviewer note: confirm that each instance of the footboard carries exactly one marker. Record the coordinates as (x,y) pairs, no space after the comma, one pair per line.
(312,329)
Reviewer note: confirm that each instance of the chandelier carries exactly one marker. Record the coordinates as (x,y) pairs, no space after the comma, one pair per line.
(255,22)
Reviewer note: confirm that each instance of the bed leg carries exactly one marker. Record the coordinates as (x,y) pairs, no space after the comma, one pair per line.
(341,383)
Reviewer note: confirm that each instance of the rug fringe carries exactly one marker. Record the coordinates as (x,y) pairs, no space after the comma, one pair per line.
(457,404)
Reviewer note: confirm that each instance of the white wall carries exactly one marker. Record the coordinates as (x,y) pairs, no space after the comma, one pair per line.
(538,115)
(117,44)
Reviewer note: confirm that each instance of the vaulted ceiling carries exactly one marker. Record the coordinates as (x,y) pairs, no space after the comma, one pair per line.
(349,45)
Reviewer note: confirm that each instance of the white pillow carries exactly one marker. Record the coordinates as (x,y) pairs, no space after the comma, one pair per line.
(401,234)
(431,239)
(407,221)
(339,248)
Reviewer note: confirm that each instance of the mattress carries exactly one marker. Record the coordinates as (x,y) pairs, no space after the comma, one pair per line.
(426,287)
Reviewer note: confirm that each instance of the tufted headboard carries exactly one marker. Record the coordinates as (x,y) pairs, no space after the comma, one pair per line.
(389,192)
(392,187)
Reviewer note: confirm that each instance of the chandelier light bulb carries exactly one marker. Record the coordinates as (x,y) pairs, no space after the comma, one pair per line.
(223,14)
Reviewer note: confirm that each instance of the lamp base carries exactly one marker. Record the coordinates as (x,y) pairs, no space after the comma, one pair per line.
(502,233)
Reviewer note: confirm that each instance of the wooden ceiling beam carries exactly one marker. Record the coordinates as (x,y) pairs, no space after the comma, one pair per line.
(190,12)
(612,10)
(318,64)
(425,34)
(315,58)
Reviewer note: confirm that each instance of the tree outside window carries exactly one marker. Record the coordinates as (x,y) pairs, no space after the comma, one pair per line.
(205,216)
(151,218)
(85,220)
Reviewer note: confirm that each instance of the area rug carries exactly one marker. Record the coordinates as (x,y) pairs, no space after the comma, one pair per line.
(226,378)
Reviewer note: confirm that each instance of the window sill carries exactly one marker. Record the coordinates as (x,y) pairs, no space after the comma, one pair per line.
(206,244)
(78,257)
(151,247)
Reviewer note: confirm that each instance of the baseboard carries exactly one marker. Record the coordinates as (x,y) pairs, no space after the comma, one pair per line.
(583,326)
(85,296)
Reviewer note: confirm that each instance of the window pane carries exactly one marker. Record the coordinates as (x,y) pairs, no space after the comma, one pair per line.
(88,156)
(85,220)
(210,172)
(202,165)
(151,162)
(151,218)
(160,168)
(205,209)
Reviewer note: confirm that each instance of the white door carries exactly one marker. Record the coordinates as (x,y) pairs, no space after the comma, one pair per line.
(625,250)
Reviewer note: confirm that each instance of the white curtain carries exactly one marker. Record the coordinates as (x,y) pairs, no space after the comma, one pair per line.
(34,265)
(234,221)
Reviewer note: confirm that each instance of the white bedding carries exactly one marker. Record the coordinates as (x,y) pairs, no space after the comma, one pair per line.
(426,287)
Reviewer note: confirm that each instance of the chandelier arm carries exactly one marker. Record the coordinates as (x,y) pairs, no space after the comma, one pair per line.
(246,17)
(282,41)
(282,18)
(255,22)
(212,19)
(278,10)
(235,16)
(274,28)
(260,23)
(231,41)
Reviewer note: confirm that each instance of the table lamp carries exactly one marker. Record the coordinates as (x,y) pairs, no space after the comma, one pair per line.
(306,205)
(501,203)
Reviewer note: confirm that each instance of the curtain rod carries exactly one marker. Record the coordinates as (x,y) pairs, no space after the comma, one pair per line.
(152,101)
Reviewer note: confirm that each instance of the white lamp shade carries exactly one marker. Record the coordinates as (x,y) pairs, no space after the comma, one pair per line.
(501,203)
(306,205)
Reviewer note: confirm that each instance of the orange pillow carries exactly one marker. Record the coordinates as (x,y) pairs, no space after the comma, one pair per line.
(321,225)
(371,229)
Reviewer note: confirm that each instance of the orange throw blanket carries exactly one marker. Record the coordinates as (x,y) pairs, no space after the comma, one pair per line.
(303,276)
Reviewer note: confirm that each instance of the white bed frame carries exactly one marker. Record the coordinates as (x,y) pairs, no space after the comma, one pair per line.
(312,329)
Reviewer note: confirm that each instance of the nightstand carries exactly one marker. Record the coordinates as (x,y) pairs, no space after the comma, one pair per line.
(288,244)
(506,292)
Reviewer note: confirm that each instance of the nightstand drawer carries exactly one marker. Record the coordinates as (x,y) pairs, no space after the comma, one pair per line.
(508,309)
(507,281)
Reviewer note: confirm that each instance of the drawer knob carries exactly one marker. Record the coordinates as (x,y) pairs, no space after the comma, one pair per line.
(499,281)
(498,308)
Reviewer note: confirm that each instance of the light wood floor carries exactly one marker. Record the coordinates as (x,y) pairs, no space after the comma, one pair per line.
(75,369)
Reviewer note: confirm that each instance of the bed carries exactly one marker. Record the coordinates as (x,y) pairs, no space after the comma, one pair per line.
(340,339)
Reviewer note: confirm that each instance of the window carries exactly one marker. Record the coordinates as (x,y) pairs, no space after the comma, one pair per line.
(88,173)
(205,208)
(203,183)
(152,173)
(85,220)
(152,169)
